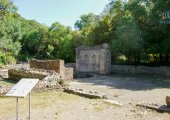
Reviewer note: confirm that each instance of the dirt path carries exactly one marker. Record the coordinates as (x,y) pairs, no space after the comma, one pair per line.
(129,91)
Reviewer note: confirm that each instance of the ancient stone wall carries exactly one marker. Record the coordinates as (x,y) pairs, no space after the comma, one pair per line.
(131,69)
(56,65)
(16,74)
(48,79)
(95,59)
(47,64)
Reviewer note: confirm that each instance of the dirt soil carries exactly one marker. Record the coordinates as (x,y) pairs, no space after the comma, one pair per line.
(128,90)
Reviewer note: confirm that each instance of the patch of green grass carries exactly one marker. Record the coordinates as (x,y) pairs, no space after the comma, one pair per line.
(99,108)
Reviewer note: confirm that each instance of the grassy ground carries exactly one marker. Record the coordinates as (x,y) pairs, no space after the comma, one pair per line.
(48,105)
(40,100)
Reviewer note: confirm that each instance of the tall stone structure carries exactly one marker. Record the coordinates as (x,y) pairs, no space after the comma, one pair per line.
(95,59)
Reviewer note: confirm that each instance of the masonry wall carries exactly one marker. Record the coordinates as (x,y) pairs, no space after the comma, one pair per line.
(57,65)
(95,59)
(19,74)
(131,69)
(47,64)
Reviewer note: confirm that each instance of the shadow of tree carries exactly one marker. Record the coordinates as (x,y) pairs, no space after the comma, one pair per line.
(130,82)
(10,81)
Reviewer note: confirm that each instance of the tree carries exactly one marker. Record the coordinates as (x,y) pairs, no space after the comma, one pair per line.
(6,7)
(86,20)
(10,32)
(129,41)
(147,15)
(35,36)
(61,39)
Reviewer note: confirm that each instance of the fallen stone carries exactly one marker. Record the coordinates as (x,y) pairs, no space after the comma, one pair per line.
(4,90)
(156,107)
(4,73)
(168,100)
(91,95)
(113,102)
(116,95)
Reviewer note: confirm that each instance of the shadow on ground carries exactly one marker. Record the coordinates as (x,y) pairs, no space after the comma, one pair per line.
(8,81)
(129,82)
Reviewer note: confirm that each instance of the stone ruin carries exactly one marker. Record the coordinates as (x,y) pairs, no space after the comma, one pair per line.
(56,65)
(52,73)
(95,59)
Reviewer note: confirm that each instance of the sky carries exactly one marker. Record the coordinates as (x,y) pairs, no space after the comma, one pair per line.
(64,11)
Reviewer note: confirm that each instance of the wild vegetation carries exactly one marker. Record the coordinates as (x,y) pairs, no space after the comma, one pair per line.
(133,30)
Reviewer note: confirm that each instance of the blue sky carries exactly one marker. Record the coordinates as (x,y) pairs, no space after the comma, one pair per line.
(64,11)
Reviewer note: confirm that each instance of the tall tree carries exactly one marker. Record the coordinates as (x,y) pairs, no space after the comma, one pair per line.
(86,20)
(61,40)
(129,40)
(10,32)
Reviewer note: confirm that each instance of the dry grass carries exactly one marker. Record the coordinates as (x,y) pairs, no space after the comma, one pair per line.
(39,100)
(52,102)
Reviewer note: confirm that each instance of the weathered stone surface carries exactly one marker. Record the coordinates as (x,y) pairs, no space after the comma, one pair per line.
(168,100)
(17,74)
(4,90)
(113,102)
(91,95)
(48,78)
(56,65)
(132,69)
(4,73)
(95,59)
(67,73)
(47,64)
(158,108)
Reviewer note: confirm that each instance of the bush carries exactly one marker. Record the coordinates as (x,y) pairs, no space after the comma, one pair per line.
(6,58)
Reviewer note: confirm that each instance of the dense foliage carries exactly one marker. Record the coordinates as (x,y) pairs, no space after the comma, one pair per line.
(134,31)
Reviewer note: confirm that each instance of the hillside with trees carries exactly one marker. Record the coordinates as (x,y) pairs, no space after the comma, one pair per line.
(133,30)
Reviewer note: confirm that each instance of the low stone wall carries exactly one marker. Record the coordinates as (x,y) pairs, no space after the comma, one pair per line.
(56,65)
(48,79)
(15,74)
(4,73)
(131,69)
(68,74)
(47,64)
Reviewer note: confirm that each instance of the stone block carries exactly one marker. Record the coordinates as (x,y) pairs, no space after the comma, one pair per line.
(168,100)
(91,95)
(113,102)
